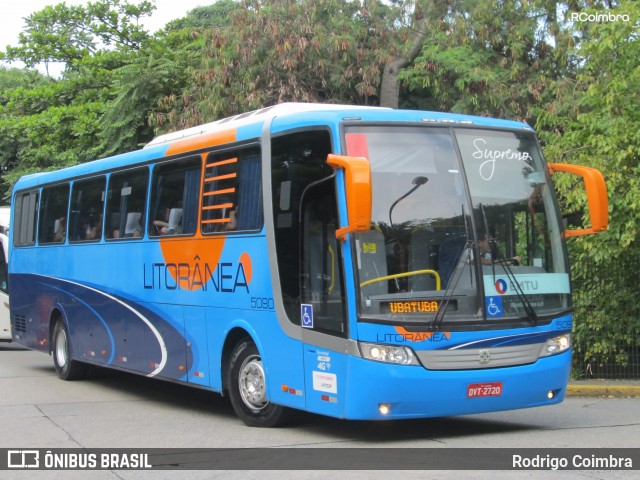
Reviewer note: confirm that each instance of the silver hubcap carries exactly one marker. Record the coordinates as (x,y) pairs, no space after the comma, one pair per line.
(62,354)
(252,384)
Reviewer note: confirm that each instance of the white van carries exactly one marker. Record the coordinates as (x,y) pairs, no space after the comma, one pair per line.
(5,323)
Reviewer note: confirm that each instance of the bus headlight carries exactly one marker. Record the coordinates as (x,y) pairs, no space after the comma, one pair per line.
(388,353)
(556,345)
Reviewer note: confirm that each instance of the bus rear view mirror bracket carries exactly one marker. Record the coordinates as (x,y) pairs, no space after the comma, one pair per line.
(357,179)
(597,200)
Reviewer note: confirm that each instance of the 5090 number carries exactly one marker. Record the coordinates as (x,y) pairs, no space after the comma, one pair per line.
(262,303)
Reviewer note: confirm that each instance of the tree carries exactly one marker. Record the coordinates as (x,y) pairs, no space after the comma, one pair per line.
(491,58)
(602,129)
(68,33)
(200,18)
(414,37)
(321,51)
(53,123)
(161,69)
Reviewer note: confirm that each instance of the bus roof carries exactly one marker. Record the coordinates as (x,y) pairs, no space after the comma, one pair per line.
(249,125)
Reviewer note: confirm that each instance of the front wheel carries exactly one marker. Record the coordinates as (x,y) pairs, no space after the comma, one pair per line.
(248,388)
(66,368)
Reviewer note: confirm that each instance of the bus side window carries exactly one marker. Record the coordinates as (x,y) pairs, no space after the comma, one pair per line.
(126,204)
(232,191)
(87,206)
(25,219)
(52,227)
(174,197)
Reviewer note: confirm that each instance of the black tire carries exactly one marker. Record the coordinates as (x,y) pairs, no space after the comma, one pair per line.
(66,368)
(247,388)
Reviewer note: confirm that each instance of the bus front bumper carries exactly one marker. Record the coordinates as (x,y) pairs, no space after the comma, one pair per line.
(380,391)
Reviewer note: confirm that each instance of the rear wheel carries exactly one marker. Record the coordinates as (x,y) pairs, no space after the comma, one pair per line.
(248,388)
(66,368)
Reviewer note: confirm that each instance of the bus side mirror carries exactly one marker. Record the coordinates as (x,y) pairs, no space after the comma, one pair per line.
(596,197)
(357,174)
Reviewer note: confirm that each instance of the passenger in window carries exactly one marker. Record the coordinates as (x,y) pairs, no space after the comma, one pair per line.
(91,230)
(133,227)
(486,255)
(172,223)
(163,224)
(233,220)
(98,228)
(59,229)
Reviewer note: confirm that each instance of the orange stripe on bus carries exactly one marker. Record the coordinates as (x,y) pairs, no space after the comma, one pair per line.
(201,141)
(221,162)
(219,192)
(218,207)
(219,220)
(220,177)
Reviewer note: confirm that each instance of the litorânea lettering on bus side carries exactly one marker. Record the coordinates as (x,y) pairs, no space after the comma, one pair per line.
(226,277)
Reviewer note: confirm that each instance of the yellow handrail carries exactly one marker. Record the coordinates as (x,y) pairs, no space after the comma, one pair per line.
(402,275)
(333,269)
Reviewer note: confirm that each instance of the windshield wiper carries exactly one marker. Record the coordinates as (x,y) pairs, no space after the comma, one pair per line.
(457,274)
(451,286)
(498,258)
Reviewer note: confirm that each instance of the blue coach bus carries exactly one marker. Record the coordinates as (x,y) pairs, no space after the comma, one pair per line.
(357,262)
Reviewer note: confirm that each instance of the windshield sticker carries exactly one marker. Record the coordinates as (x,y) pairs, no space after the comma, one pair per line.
(487,168)
(494,307)
(369,248)
(530,284)
(306,313)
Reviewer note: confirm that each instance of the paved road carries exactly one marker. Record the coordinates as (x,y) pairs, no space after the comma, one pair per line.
(114,409)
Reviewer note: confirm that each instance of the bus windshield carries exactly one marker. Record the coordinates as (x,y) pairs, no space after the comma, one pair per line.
(463,221)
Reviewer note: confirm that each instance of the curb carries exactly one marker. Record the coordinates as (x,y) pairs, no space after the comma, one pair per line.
(611,391)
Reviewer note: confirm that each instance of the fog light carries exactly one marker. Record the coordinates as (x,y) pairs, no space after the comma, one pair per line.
(384,408)
(551,394)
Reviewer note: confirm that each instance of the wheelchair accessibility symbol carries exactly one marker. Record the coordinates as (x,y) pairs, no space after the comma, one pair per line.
(493,307)
(306,314)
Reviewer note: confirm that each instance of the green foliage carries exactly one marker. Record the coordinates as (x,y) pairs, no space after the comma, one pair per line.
(12,78)
(137,87)
(68,33)
(320,51)
(200,18)
(602,129)
(58,137)
(50,123)
(491,58)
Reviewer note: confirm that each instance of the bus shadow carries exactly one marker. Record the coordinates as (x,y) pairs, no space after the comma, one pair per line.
(166,393)
(386,432)
(11,347)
